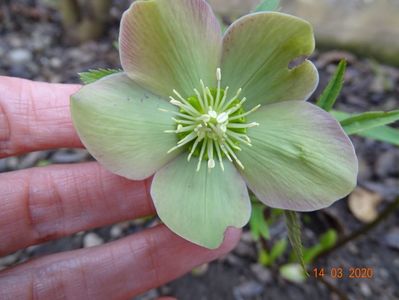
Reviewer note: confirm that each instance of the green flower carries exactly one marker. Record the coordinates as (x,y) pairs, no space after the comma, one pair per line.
(211,114)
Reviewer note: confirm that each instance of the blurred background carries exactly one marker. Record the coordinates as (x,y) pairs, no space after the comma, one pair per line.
(53,40)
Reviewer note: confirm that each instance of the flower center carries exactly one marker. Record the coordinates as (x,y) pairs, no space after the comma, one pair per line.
(211,125)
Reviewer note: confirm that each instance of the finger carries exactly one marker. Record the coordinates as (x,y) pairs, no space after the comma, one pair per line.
(40,204)
(35,116)
(118,270)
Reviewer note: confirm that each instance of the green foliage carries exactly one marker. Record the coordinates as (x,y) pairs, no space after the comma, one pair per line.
(257,223)
(369,124)
(94,75)
(278,249)
(368,120)
(294,235)
(267,5)
(267,259)
(333,89)
(327,240)
(382,133)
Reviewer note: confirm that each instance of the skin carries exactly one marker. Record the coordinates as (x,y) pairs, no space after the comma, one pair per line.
(46,203)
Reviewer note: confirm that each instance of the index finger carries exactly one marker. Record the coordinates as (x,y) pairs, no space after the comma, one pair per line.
(35,116)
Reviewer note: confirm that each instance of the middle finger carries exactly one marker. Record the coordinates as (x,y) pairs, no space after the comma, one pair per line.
(45,203)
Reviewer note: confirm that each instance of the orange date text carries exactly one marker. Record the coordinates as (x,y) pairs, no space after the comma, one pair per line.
(340,272)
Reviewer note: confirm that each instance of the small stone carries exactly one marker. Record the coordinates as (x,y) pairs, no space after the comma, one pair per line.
(8,260)
(116,231)
(200,270)
(91,239)
(19,71)
(31,249)
(387,164)
(384,274)
(262,274)
(69,156)
(12,162)
(151,294)
(234,260)
(31,159)
(363,204)
(3,165)
(365,172)
(55,63)
(247,237)
(19,56)
(245,250)
(391,239)
(365,289)
(248,289)
(353,249)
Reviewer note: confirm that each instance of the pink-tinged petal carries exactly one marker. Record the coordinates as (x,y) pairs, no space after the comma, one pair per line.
(200,206)
(257,52)
(121,125)
(301,159)
(166,45)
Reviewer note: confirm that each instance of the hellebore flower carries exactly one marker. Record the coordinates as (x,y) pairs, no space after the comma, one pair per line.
(210,114)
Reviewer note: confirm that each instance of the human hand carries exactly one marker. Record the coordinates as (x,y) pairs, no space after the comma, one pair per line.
(41,204)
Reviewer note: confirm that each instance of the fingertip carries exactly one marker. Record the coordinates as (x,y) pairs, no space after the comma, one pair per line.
(231,238)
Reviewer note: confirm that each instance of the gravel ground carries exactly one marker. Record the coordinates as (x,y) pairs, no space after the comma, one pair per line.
(32,46)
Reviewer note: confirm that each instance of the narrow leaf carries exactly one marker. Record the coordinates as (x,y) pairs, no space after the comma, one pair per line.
(278,249)
(294,235)
(369,120)
(328,239)
(383,133)
(331,92)
(94,75)
(310,253)
(267,5)
(264,258)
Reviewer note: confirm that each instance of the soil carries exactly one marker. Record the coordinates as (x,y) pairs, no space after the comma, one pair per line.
(32,45)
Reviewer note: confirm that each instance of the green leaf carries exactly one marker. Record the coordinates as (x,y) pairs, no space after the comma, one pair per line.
(94,75)
(328,239)
(383,133)
(264,258)
(257,223)
(369,120)
(267,5)
(310,253)
(278,249)
(331,92)
(294,235)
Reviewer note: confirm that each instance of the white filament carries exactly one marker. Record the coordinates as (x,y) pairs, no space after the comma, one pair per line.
(213,126)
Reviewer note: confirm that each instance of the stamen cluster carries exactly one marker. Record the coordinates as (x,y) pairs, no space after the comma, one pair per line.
(211,125)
